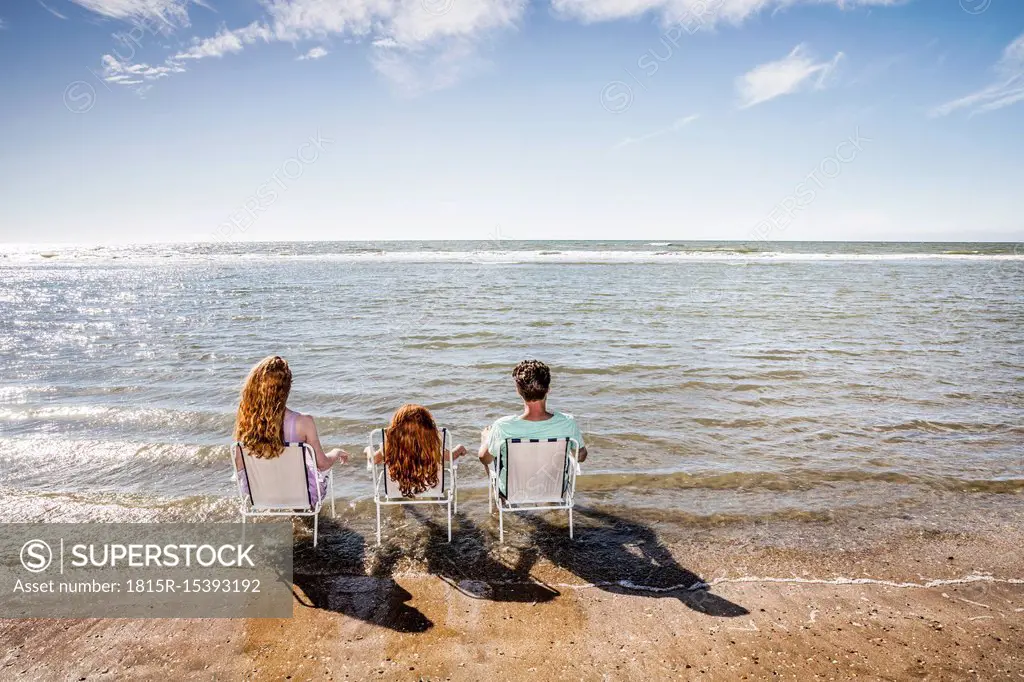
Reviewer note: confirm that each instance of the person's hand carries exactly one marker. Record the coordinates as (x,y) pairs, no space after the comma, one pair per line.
(459,451)
(338,455)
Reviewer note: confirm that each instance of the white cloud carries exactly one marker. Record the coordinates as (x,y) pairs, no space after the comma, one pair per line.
(418,22)
(426,69)
(691,15)
(162,15)
(418,45)
(423,44)
(226,42)
(315,19)
(785,76)
(677,125)
(1007,89)
(121,72)
(51,10)
(315,53)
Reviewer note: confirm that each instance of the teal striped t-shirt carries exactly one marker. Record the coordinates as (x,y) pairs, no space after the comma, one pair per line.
(560,425)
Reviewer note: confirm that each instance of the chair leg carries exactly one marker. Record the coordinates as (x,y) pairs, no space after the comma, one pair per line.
(378,524)
(334,511)
(501,526)
(570,523)
(449,520)
(490,495)
(316,521)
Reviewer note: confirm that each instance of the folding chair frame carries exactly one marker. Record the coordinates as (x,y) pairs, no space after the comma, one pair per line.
(381,498)
(247,508)
(494,496)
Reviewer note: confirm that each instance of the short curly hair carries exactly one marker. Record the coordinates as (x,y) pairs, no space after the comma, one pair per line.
(533,378)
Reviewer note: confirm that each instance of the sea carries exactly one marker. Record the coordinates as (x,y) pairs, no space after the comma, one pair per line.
(717,384)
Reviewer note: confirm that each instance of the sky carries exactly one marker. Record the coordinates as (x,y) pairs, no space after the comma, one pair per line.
(213,120)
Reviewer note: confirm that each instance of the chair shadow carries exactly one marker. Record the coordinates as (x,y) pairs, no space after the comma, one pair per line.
(625,556)
(467,565)
(332,577)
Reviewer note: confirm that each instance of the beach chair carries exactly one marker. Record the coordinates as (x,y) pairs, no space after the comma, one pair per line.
(387,493)
(532,474)
(278,486)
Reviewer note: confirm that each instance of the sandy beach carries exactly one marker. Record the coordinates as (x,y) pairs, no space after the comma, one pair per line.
(718,303)
(789,476)
(796,600)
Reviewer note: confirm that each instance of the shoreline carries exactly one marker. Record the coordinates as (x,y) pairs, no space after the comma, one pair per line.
(904,602)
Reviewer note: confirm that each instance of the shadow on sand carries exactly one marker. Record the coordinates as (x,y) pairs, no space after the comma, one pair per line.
(625,557)
(615,554)
(466,564)
(331,577)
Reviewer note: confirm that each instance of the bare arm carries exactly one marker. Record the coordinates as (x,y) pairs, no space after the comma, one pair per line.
(450,455)
(485,453)
(306,428)
(582,455)
(377,457)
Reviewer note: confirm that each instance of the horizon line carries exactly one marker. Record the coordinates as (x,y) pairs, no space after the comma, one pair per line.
(649,241)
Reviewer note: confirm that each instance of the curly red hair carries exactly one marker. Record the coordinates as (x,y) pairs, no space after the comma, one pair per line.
(259,424)
(412,449)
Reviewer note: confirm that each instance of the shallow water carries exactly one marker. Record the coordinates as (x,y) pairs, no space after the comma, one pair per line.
(723,382)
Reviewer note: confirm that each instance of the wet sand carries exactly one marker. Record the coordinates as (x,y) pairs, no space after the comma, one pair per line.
(893,600)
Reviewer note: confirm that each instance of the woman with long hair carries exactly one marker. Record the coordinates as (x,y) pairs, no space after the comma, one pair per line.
(412,450)
(264,423)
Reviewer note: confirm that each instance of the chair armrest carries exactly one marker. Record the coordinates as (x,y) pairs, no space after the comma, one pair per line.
(574,454)
(575,464)
(372,449)
(378,479)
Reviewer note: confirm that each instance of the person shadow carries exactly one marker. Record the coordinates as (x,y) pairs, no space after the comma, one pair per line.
(332,576)
(467,565)
(626,557)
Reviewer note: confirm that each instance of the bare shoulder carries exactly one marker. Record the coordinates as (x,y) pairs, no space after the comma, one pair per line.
(305,423)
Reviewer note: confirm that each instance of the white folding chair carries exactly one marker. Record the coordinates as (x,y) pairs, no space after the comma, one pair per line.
(533,474)
(277,486)
(386,491)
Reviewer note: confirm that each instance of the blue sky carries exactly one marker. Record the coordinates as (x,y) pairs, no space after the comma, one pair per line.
(171,120)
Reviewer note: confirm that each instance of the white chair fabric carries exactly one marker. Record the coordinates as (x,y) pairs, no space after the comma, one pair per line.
(278,486)
(278,482)
(534,475)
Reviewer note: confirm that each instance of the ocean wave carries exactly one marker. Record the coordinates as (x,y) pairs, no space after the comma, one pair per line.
(782,482)
(933,426)
(143,257)
(126,417)
(119,460)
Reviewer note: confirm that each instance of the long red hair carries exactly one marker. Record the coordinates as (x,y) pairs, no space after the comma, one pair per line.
(412,449)
(259,424)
